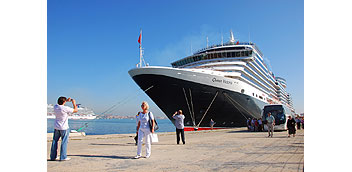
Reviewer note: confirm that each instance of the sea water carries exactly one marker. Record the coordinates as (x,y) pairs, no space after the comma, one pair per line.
(110,126)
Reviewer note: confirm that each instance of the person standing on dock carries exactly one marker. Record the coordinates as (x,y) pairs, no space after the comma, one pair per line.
(249,121)
(61,128)
(212,123)
(179,119)
(253,124)
(298,121)
(270,123)
(291,126)
(260,123)
(144,130)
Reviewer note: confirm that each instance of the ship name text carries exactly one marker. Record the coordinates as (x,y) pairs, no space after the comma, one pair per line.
(222,81)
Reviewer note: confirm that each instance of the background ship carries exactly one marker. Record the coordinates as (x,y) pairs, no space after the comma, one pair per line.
(83,113)
(228,83)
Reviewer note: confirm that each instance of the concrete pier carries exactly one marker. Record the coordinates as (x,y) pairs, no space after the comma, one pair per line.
(216,150)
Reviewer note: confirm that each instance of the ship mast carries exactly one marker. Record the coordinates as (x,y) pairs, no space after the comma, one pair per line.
(140,50)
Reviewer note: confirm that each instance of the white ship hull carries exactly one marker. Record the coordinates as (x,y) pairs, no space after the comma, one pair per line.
(204,77)
(201,94)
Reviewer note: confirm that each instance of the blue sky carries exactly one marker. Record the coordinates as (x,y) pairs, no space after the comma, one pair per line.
(91,45)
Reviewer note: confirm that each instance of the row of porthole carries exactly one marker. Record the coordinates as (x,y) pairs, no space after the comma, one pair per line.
(259,96)
(256,95)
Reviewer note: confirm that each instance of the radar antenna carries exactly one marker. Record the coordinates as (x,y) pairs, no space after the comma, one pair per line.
(222,39)
(232,38)
(207,41)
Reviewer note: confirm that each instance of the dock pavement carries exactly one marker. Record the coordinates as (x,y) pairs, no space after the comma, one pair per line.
(217,150)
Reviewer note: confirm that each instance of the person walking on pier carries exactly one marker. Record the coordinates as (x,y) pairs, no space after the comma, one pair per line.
(253,124)
(260,123)
(61,128)
(270,124)
(212,123)
(145,130)
(249,121)
(298,121)
(179,123)
(291,126)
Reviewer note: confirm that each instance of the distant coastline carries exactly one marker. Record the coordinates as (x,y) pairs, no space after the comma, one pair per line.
(122,117)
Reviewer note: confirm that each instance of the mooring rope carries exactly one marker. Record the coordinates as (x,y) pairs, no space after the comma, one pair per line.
(235,105)
(194,117)
(208,108)
(113,108)
(125,100)
(189,109)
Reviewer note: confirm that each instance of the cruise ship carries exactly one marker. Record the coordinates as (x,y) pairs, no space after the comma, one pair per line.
(227,83)
(83,113)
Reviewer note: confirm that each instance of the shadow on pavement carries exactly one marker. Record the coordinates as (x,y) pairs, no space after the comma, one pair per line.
(104,156)
(240,131)
(113,144)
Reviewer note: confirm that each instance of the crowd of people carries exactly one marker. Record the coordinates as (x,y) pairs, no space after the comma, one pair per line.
(255,124)
(293,124)
(300,122)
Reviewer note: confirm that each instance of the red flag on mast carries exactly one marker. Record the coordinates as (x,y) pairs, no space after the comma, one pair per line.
(140,38)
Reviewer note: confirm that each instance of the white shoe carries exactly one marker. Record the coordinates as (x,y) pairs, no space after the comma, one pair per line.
(67,159)
(147,156)
(137,157)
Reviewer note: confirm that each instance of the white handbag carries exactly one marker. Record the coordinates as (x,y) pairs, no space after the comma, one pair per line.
(154,137)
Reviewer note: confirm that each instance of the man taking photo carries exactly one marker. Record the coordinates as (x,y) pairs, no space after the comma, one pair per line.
(61,128)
